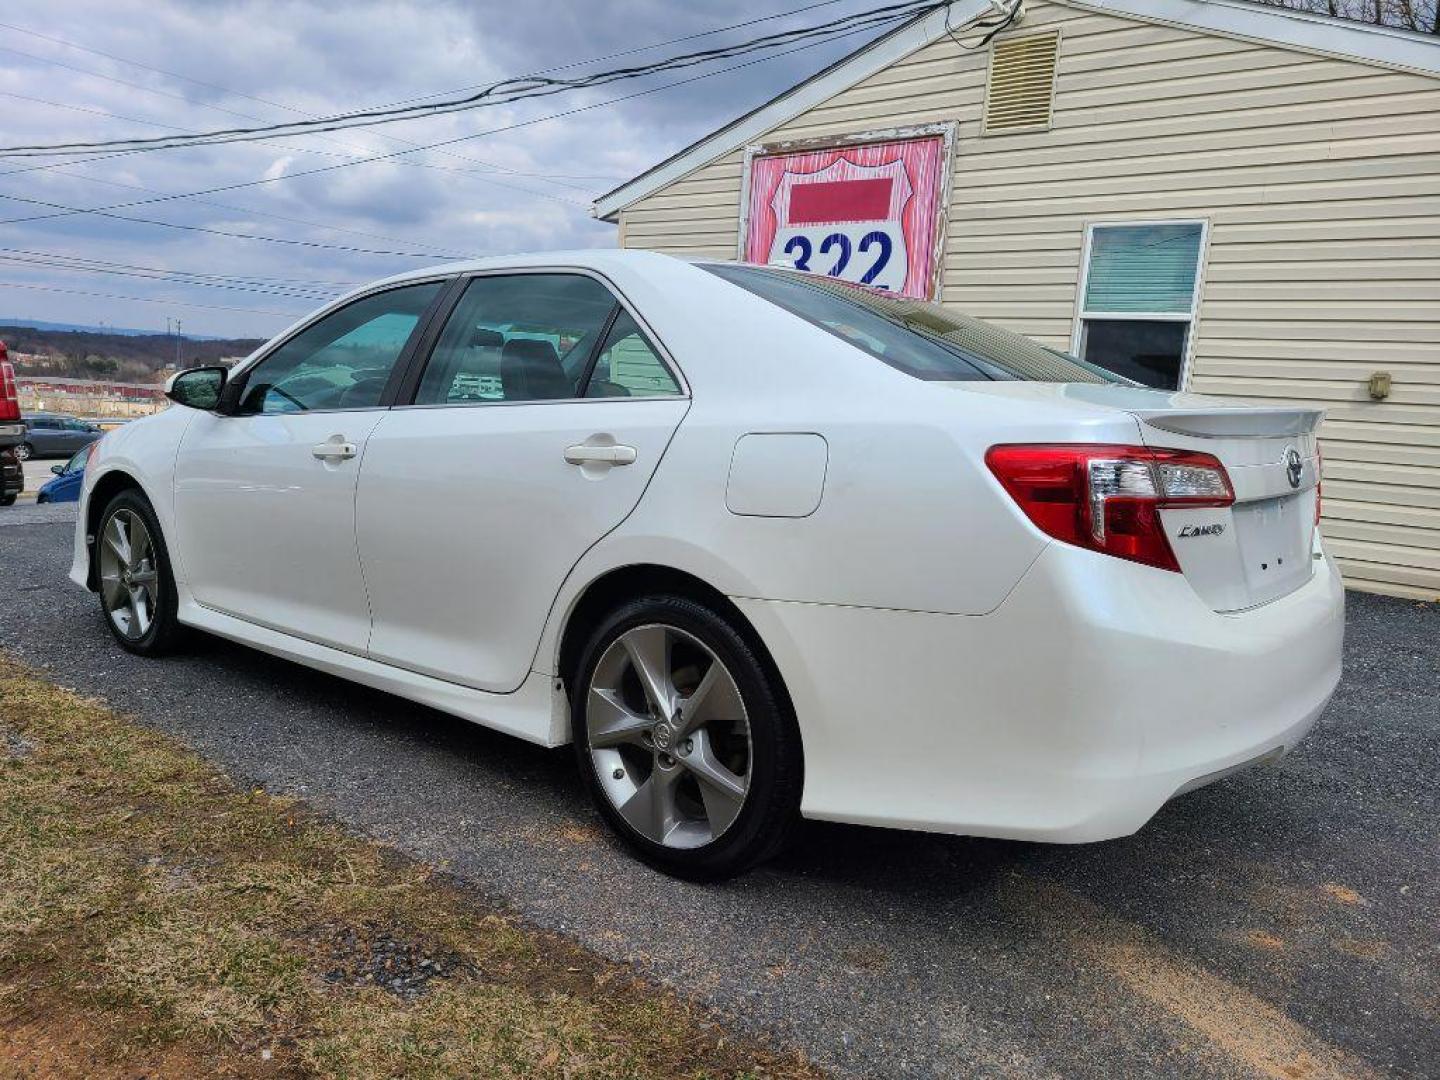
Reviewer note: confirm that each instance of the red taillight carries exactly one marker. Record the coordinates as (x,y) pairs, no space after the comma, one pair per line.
(9,393)
(1109,498)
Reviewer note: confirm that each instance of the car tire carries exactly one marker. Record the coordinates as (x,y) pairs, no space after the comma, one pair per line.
(24,452)
(724,778)
(137,594)
(9,499)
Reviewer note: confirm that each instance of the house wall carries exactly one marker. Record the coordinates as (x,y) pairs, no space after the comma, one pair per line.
(1320,179)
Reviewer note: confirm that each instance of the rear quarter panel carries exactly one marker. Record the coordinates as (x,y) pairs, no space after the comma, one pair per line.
(910,517)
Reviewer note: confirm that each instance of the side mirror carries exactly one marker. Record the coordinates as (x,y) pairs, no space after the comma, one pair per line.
(197,388)
(57,469)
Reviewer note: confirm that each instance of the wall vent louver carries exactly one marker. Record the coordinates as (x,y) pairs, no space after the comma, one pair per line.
(1020,90)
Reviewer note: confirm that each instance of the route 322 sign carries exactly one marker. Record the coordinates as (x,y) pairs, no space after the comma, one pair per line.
(865,213)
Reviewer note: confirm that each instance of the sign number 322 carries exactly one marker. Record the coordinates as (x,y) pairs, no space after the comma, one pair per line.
(867,253)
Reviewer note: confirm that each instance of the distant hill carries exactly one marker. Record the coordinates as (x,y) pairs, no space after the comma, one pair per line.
(127,355)
(124,331)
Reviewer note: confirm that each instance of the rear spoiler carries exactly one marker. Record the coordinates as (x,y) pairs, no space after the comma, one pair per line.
(1248,422)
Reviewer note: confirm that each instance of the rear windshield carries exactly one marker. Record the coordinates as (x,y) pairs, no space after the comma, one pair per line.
(918,337)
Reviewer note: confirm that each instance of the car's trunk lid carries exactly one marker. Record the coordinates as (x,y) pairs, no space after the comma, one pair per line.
(1257,550)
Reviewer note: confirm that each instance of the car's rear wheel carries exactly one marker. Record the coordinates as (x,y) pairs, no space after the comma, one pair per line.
(24,452)
(684,740)
(137,589)
(8,499)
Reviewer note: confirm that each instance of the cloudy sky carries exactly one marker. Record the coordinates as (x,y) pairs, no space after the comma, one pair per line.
(106,69)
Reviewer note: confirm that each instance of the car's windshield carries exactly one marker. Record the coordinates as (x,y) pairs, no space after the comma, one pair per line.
(920,338)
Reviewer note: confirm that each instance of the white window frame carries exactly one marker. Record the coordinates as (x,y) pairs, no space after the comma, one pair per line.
(1192,316)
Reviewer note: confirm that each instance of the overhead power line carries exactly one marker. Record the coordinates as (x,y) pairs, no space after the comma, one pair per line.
(149,299)
(424,97)
(271,287)
(631,51)
(251,212)
(63,166)
(289,293)
(101,212)
(250,278)
(484,174)
(506,91)
(109,211)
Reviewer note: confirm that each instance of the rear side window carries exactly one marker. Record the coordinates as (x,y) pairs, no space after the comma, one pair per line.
(628,365)
(520,337)
(923,339)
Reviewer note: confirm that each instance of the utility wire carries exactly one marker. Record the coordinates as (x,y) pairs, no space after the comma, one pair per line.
(424,97)
(148,299)
(108,211)
(66,167)
(247,278)
(249,212)
(508,91)
(631,51)
(289,293)
(483,175)
(100,212)
(490,166)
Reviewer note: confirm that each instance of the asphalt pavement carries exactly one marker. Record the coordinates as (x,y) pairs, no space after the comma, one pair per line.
(1284,922)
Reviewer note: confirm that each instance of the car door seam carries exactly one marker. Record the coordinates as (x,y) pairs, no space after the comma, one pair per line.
(565,580)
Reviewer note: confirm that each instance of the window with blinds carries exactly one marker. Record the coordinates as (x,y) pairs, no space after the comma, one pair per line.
(1148,268)
(1020,89)
(1138,299)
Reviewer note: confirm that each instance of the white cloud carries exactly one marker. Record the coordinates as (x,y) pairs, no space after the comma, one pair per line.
(278,167)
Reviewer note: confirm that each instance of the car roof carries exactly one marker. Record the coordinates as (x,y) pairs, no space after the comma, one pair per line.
(600,259)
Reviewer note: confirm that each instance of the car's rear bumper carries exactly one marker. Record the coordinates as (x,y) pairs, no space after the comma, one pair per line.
(12,473)
(1095,693)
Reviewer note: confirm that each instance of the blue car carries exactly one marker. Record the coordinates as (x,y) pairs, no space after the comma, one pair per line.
(68,478)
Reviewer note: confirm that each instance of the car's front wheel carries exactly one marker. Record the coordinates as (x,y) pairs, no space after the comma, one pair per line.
(684,740)
(137,589)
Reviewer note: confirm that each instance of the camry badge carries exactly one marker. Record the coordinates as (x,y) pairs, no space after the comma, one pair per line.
(1201,530)
(1294,467)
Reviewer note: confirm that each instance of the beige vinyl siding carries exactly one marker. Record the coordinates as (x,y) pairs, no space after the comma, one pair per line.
(1320,180)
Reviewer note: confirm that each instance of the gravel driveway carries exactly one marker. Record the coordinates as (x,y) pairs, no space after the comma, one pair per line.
(1284,922)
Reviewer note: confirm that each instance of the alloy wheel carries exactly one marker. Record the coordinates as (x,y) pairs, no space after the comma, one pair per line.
(668,736)
(22,452)
(129,579)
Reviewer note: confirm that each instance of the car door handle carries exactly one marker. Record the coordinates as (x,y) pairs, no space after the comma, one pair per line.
(585,454)
(326,450)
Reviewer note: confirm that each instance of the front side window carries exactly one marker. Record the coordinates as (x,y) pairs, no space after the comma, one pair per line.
(628,365)
(926,340)
(517,337)
(77,462)
(1138,299)
(344,360)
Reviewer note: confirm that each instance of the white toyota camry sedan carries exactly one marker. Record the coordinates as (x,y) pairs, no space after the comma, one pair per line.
(764,546)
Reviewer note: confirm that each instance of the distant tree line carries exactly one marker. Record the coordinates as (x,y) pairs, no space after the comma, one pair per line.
(1419,15)
(83,354)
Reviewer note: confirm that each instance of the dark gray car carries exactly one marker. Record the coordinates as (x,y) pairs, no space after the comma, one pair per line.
(55,435)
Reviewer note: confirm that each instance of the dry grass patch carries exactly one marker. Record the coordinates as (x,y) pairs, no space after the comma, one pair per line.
(155,920)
